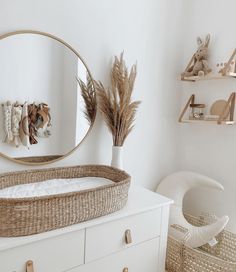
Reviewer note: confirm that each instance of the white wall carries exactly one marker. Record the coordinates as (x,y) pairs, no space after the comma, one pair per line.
(148,31)
(210,150)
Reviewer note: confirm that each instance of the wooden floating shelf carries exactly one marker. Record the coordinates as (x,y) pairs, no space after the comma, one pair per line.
(224,73)
(207,122)
(220,121)
(209,77)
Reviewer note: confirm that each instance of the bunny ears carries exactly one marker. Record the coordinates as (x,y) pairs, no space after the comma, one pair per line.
(201,43)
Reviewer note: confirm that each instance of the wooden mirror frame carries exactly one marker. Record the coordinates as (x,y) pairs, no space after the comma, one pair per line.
(31,161)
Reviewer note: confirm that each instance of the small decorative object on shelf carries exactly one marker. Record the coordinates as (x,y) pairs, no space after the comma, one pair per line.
(117,107)
(198,65)
(229,68)
(220,113)
(210,117)
(197,111)
(222,66)
(218,106)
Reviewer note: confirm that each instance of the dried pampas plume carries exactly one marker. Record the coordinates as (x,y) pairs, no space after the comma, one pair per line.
(115,103)
(88,94)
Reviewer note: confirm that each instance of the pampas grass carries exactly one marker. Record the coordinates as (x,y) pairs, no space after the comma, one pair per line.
(115,103)
(88,94)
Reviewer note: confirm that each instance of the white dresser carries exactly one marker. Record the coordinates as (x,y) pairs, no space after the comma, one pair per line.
(130,240)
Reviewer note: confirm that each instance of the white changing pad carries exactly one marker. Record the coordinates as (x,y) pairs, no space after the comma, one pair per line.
(53,187)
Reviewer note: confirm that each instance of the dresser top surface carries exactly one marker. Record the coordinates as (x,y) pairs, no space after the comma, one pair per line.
(140,200)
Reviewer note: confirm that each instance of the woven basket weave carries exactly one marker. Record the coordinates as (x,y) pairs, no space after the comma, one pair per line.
(26,216)
(219,258)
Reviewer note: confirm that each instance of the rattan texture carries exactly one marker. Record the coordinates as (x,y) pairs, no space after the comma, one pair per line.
(219,258)
(26,216)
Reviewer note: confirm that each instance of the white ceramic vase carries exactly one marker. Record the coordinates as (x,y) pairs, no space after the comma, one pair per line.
(117,157)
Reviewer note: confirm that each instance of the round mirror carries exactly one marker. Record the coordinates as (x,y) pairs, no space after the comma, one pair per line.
(47,96)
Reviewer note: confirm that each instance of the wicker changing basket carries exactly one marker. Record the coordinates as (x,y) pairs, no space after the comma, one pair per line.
(219,258)
(26,216)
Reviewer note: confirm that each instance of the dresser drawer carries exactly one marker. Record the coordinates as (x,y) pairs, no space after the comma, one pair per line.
(50,255)
(112,237)
(139,258)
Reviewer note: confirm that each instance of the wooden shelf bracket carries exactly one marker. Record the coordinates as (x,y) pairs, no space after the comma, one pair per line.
(190,101)
(225,71)
(191,62)
(229,105)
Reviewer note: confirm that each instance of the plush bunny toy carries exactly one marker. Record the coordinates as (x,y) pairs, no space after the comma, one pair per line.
(200,66)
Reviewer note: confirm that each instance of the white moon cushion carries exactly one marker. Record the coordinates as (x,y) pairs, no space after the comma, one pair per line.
(175,186)
(53,187)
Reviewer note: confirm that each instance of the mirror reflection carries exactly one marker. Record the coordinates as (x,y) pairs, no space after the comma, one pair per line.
(47,96)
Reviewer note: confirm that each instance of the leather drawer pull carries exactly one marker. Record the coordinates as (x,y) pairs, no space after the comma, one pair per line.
(125,269)
(29,266)
(128,237)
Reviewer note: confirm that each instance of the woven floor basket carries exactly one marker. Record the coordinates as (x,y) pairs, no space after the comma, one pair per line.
(219,258)
(26,216)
